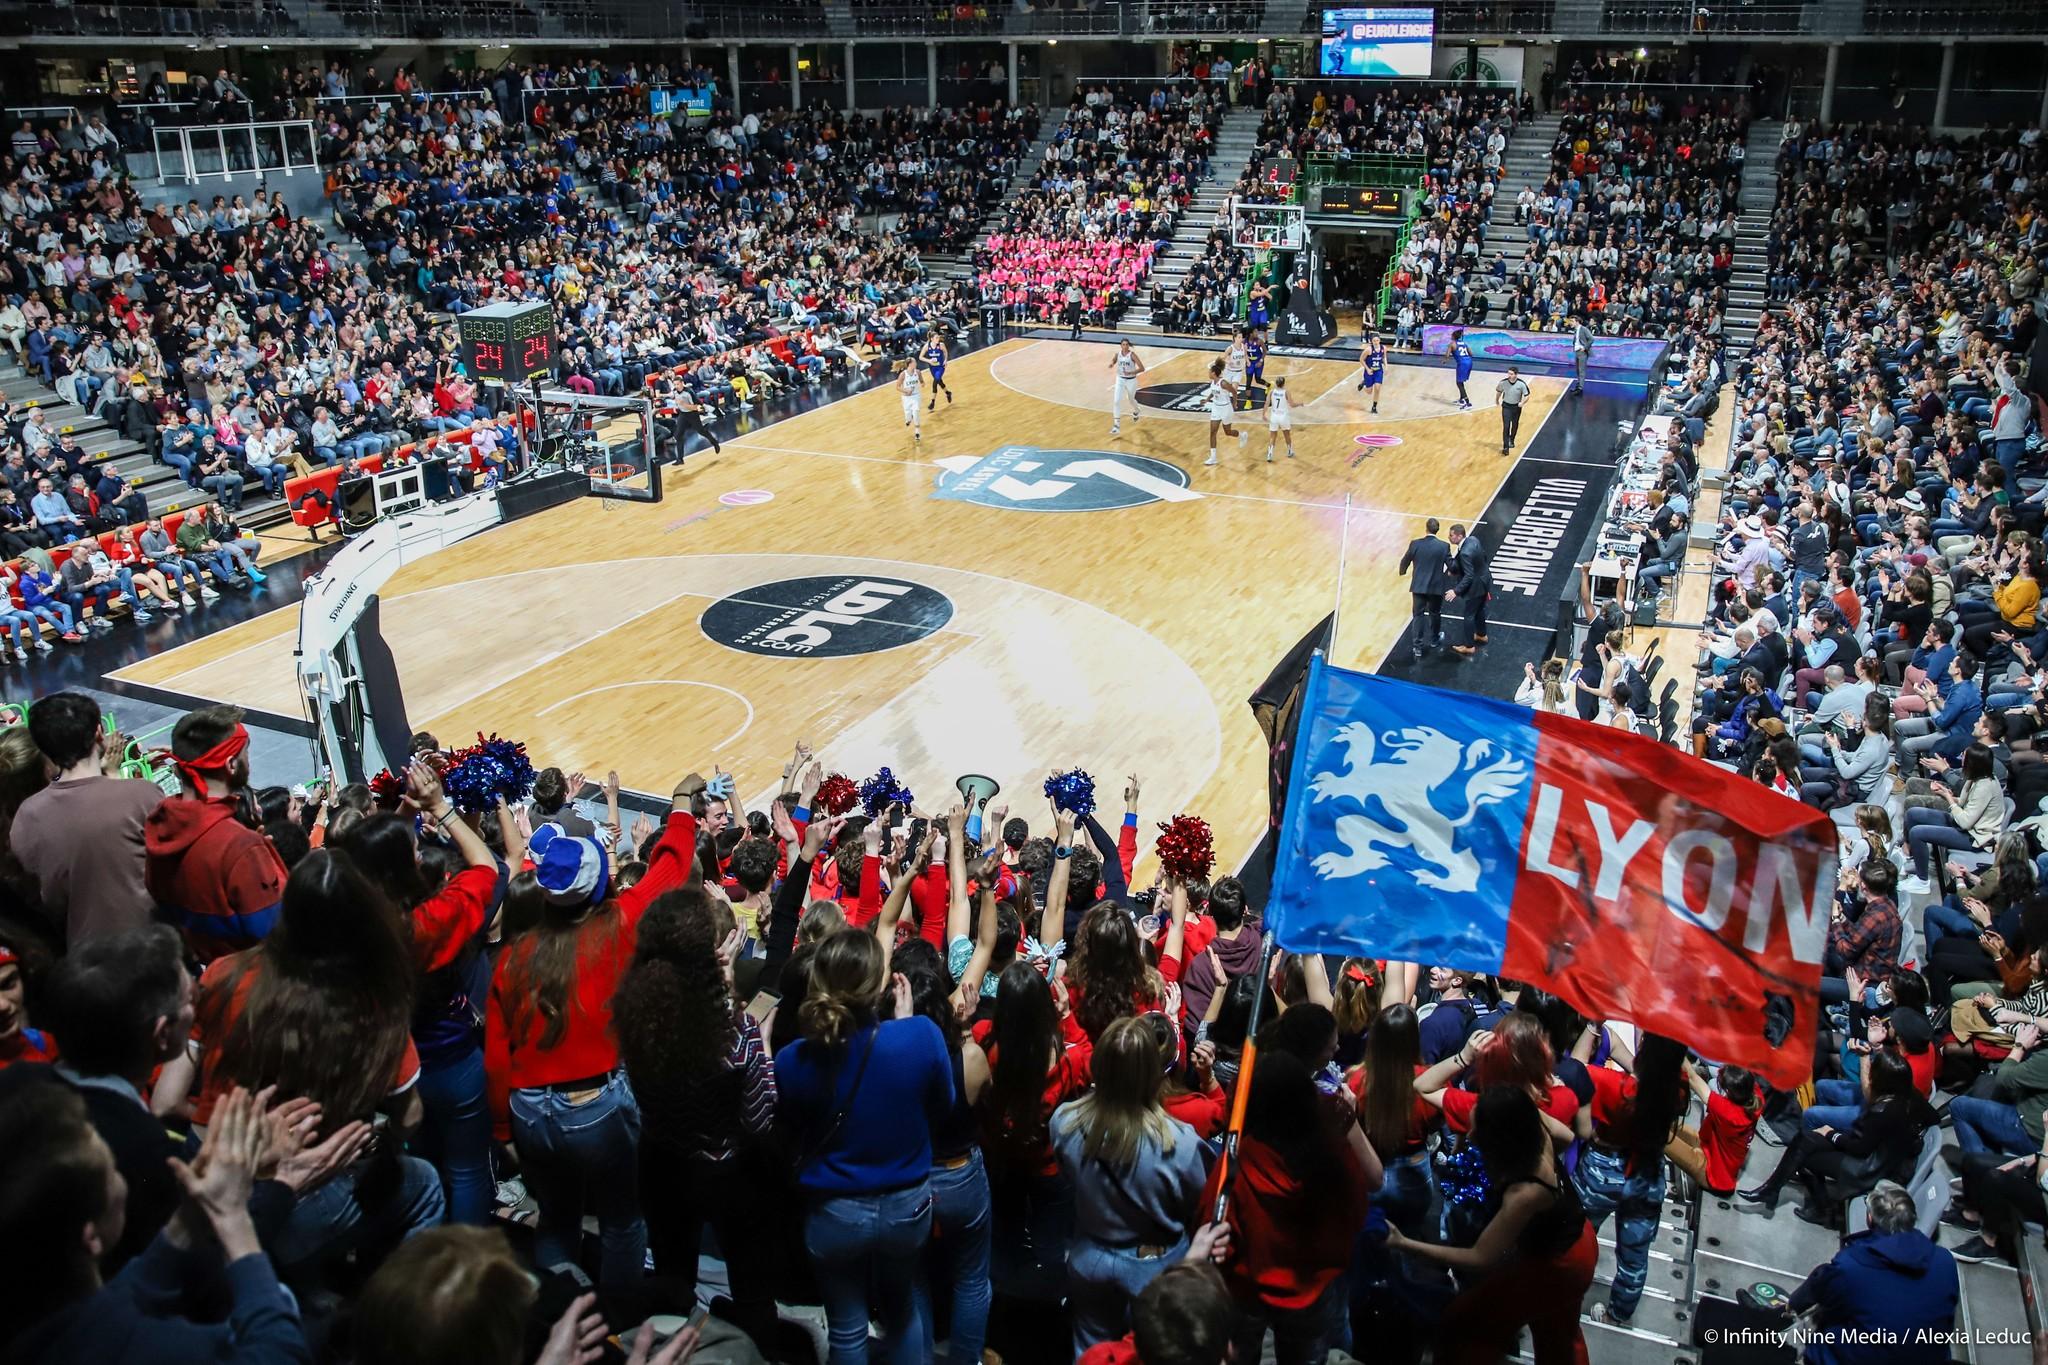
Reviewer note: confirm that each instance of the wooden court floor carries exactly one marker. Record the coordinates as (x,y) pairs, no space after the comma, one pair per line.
(1018,591)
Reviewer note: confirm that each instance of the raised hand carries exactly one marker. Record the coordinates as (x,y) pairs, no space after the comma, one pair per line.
(578,1335)
(678,1349)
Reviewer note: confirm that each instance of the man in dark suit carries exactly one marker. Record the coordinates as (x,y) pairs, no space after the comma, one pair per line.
(1472,582)
(1429,584)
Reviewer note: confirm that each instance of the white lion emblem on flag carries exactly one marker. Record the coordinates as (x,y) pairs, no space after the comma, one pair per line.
(1405,768)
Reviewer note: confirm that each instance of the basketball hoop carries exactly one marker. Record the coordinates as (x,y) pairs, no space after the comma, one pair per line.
(1268,227)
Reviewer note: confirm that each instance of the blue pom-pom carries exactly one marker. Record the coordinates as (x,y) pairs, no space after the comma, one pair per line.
(494,768)
(880,791)
(1072,791)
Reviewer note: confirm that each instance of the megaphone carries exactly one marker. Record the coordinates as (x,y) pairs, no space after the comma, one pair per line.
(976,790)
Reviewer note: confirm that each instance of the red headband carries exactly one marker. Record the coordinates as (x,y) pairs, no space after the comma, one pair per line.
(213,760)
(7,955)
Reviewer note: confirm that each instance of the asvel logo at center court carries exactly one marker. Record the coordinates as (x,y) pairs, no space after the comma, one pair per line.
(827,617)
(1029,479)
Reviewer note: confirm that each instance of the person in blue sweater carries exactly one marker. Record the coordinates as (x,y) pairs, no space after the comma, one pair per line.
(859,1094)
(1954,709)
(62,1206)
(1883,1289)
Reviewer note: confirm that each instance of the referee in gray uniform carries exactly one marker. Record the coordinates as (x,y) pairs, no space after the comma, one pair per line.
(1512,392)
(1074,297)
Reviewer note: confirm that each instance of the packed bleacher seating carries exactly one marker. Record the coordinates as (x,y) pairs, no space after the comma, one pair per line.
(249,353)
(1874,647)
(1456,136)
(924,1089)
(1634,230)
(1115,178)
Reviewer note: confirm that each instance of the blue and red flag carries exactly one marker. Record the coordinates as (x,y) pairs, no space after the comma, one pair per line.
(1634,881)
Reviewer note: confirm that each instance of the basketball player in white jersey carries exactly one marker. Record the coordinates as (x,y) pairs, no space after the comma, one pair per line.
(910,387)
(1236,361)
(1126,365)
(1222,398)
(1279,417)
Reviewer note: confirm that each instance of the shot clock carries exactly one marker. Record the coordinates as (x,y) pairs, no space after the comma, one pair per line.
(508,343)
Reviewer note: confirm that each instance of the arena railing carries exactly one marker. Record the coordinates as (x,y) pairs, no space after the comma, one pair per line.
(1331,168)
(190,154)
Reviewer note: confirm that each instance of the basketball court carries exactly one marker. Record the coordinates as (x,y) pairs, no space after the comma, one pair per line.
(1017,592)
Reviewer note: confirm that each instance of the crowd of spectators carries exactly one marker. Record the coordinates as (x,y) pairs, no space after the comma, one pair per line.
(892,1065)
(243,345)
(1457,139)
(1119,171)
(1874,645)
(1633,230)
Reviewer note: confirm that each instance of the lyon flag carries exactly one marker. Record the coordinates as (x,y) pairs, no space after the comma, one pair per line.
(1636,882)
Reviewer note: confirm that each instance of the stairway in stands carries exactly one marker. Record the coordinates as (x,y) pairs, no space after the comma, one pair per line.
(944,266)
(1747,282)
(1237,138)
(160,483)
(1525,165)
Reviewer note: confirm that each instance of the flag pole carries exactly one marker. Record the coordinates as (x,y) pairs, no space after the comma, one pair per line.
(1269,941)
(1248,1059)
(1343,559)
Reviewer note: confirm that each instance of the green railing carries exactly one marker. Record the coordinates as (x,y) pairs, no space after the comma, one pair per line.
(1328,168)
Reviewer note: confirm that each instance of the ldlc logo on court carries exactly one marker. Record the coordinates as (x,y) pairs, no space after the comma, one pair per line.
(1028,479)
(1193,397)
(828,617)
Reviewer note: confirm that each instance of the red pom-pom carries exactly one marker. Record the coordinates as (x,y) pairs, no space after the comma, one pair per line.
(1186,847)
(837,794)
(386,790)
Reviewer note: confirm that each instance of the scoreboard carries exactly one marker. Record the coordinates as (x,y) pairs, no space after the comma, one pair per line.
(508,343)
(1360,201)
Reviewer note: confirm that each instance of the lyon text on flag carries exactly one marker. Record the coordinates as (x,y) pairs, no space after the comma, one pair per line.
(1636,882)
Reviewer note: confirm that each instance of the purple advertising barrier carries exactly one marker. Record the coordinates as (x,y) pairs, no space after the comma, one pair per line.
(1628,358)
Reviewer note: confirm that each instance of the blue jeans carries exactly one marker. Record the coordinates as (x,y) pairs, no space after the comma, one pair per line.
(1606,1185)
(1941,920)
(331,1219)
(1407,1195)
(584,1156)
(864,1248)
(1102,1282)
(456,1136)
(1836,1104)
(175,569)
(1300,1335)
(1990,1126)
(960,1205)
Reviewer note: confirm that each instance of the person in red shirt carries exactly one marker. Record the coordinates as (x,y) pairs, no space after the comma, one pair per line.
(1396,1117)
(1298,1193)
(1039,1058)
(210,869)
(1517,1053)
(551,1058)
(1621,1170)
(446,927)
(337,972)
(1714,1154)
(18,1042)
(1533,1261)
